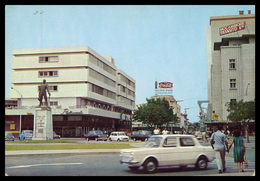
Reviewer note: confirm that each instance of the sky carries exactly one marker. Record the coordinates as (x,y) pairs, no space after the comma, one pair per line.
(148,42)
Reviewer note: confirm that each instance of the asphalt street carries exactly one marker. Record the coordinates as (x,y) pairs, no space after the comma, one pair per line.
(105,165)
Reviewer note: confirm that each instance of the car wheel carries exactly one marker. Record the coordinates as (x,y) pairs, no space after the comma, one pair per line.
(118,139)
(202,163)
(150,165)
(110,139)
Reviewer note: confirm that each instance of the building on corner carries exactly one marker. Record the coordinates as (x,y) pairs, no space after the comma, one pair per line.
(88,91)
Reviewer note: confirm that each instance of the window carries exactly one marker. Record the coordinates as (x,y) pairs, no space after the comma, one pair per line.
(74,118)
(57,118)
(170,142)
(48,59)
(54,103)
(53,88)
(48,73)
(232,64)
(232,83)
(187,142)
(233,100)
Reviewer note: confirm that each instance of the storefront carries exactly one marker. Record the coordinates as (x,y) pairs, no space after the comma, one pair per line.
(67,125)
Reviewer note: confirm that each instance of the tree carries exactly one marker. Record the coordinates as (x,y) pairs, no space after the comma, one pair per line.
(154,112)
(241,111)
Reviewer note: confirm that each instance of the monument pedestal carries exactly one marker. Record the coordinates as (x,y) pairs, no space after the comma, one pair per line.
(43,125)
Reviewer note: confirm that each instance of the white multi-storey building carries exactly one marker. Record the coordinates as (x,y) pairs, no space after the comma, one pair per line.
(230,60)
(85,86)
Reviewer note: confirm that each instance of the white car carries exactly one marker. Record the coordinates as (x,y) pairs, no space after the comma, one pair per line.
(168,150)
(118,136)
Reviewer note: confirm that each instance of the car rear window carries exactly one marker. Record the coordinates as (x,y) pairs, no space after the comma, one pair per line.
(187,142)
(170,142)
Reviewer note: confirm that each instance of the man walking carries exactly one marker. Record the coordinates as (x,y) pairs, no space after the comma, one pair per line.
(218,142)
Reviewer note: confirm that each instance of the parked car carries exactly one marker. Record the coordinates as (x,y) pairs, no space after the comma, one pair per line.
(55,136)
(118,136)
(141,135)
(95,135)
(198,134)
(168,150)
(26,135)
(9,136)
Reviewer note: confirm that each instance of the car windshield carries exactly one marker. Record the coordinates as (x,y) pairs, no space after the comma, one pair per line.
(153,142)
(8,134)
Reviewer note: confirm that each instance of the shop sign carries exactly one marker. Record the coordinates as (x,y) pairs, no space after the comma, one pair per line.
(232,28)
(164,88)
(165,84)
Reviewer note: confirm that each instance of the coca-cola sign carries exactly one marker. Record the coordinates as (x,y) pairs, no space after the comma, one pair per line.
(165,84)
(232,28)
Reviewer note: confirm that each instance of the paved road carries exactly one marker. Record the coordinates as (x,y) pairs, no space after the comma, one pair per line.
(103,165)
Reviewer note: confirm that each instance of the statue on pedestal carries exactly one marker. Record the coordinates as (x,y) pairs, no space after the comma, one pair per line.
(42,93)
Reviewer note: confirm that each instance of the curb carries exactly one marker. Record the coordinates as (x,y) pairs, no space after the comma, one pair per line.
(62,152)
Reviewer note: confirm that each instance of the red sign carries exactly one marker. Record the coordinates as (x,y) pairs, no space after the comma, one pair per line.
(165,85)
(232,28)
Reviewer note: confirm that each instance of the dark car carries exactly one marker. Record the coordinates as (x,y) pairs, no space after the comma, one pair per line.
(141,135)
(9,137)
(55,136)
(95,135)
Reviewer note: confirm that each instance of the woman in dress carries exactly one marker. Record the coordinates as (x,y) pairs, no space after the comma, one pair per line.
(239,149)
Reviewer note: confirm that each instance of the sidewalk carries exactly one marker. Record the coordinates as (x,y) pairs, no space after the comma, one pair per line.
(246,173)
(62,152)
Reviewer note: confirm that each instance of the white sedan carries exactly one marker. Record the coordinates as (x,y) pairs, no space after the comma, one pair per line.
(168,150)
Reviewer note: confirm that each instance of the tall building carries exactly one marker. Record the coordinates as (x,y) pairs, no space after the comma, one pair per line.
(230,60)
(87,90)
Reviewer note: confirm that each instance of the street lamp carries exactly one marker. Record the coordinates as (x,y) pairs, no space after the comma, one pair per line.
(20,106)
(247,87)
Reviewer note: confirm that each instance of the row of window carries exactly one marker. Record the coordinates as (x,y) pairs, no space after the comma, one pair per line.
(125,100)
(127,81)
(127,91)
(102,65)
(102,91)
(48,73)
(48,59)
(102,78)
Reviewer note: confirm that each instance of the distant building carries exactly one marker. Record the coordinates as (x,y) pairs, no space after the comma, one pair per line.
(87,90)
(230,60)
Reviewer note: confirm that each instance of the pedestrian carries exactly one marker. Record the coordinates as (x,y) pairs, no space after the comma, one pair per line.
(239,150)
(165,132)
(156,131)
(218,142)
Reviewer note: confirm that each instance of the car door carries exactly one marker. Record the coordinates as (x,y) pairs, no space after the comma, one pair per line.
(188,151)
(169,152)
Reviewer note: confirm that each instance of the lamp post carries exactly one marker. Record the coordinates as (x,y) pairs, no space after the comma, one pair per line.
(20,106)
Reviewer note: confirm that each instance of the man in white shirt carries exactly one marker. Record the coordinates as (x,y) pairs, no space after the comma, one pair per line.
(156,131)
(165,132)
(218,142)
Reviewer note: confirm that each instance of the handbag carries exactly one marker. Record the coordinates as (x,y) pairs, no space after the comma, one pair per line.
(245,162)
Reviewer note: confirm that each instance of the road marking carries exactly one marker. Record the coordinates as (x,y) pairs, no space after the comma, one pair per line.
(35,165)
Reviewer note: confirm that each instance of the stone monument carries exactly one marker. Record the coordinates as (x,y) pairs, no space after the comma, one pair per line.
(43,124)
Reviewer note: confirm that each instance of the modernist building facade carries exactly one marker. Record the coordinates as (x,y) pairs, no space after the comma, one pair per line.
(87,90)
(230,60)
